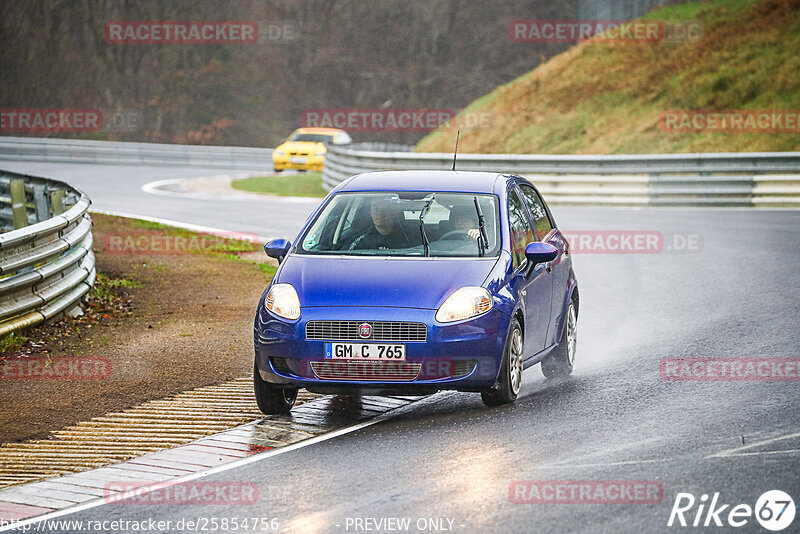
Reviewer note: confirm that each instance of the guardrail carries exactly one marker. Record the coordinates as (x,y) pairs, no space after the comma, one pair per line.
(117,153)
(46,258)
(755,179)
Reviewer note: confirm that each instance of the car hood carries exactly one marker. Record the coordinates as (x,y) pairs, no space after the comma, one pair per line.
(302,146)
(403,283)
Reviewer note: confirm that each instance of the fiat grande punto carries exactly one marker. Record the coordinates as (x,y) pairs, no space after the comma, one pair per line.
(410,282)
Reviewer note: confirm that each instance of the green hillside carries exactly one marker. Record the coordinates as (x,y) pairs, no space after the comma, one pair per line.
(609,97)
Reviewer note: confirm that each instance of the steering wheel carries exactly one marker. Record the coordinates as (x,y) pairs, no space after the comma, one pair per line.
(459,233)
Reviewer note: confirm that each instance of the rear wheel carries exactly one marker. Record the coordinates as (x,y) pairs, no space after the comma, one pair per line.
(510,380)
(271,399)
(562,360)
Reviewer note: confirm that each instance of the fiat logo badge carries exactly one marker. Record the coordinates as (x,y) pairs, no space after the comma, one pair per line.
(365,330)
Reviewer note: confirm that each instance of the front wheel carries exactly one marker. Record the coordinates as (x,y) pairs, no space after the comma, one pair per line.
(271,399)
(510,380)
(562,360)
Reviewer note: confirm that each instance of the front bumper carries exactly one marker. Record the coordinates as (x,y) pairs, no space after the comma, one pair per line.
(464,356)
(312,162)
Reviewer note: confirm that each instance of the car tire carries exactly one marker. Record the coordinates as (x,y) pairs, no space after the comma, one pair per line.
(277,171)
(561,361)
(510,379)
(271,399)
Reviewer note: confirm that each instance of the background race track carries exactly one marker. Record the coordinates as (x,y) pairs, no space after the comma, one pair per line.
(734,294)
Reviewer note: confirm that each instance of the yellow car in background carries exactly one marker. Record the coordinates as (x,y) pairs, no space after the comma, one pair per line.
(305,149)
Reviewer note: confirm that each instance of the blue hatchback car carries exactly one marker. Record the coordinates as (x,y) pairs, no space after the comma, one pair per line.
(410,282)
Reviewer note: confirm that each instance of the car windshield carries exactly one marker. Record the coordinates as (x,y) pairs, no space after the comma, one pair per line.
(388,224)
(312,138)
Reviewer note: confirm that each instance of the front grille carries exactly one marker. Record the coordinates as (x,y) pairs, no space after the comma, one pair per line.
(463,368)
(381,331)
(440,368)
(366,371)
(281,365)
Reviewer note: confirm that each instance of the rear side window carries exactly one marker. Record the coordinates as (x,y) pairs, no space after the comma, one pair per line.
(540,219)
(521,230)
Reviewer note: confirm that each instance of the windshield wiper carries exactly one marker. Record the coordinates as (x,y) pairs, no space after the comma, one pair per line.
(483,241)
(425,242)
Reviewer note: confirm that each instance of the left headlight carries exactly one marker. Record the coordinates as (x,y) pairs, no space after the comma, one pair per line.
(280,153)
(465,303)
(282,301)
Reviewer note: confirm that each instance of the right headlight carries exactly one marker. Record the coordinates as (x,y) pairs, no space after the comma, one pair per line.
(464,303)
(282,301)
(280,153)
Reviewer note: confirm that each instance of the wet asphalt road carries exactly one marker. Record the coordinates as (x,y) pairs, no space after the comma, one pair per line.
(451,460)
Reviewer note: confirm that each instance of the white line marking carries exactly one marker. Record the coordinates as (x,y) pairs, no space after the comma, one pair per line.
(155,188)
(731,452)
(756,453)
(226,467)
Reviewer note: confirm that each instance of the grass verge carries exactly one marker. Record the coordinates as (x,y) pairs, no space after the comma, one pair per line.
(602,97)
(11,342)
(307,184)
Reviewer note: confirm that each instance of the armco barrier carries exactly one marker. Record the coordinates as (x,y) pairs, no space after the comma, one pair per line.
(117,153)
(770,179)
(46,258)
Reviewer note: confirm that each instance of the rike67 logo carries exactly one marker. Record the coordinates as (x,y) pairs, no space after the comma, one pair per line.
(774,510)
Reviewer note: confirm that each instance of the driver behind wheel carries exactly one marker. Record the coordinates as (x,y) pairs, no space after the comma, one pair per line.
(464,218)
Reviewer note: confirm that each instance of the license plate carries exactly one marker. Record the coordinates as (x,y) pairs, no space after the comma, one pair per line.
(365,351)
(297,159)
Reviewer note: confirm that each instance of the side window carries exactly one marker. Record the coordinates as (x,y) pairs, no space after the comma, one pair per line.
(521,230)
(541,222)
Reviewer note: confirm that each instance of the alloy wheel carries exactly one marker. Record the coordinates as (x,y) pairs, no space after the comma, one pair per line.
(572,334)
(515,361)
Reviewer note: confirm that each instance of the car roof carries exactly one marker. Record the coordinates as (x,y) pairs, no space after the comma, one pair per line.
(318,130)
(455,181)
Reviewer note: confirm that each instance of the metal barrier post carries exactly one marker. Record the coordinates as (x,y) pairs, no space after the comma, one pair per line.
(40,202)
(19,213)
(57,201)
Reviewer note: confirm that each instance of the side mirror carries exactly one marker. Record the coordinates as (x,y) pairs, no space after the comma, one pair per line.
(278,248)
(540,253)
